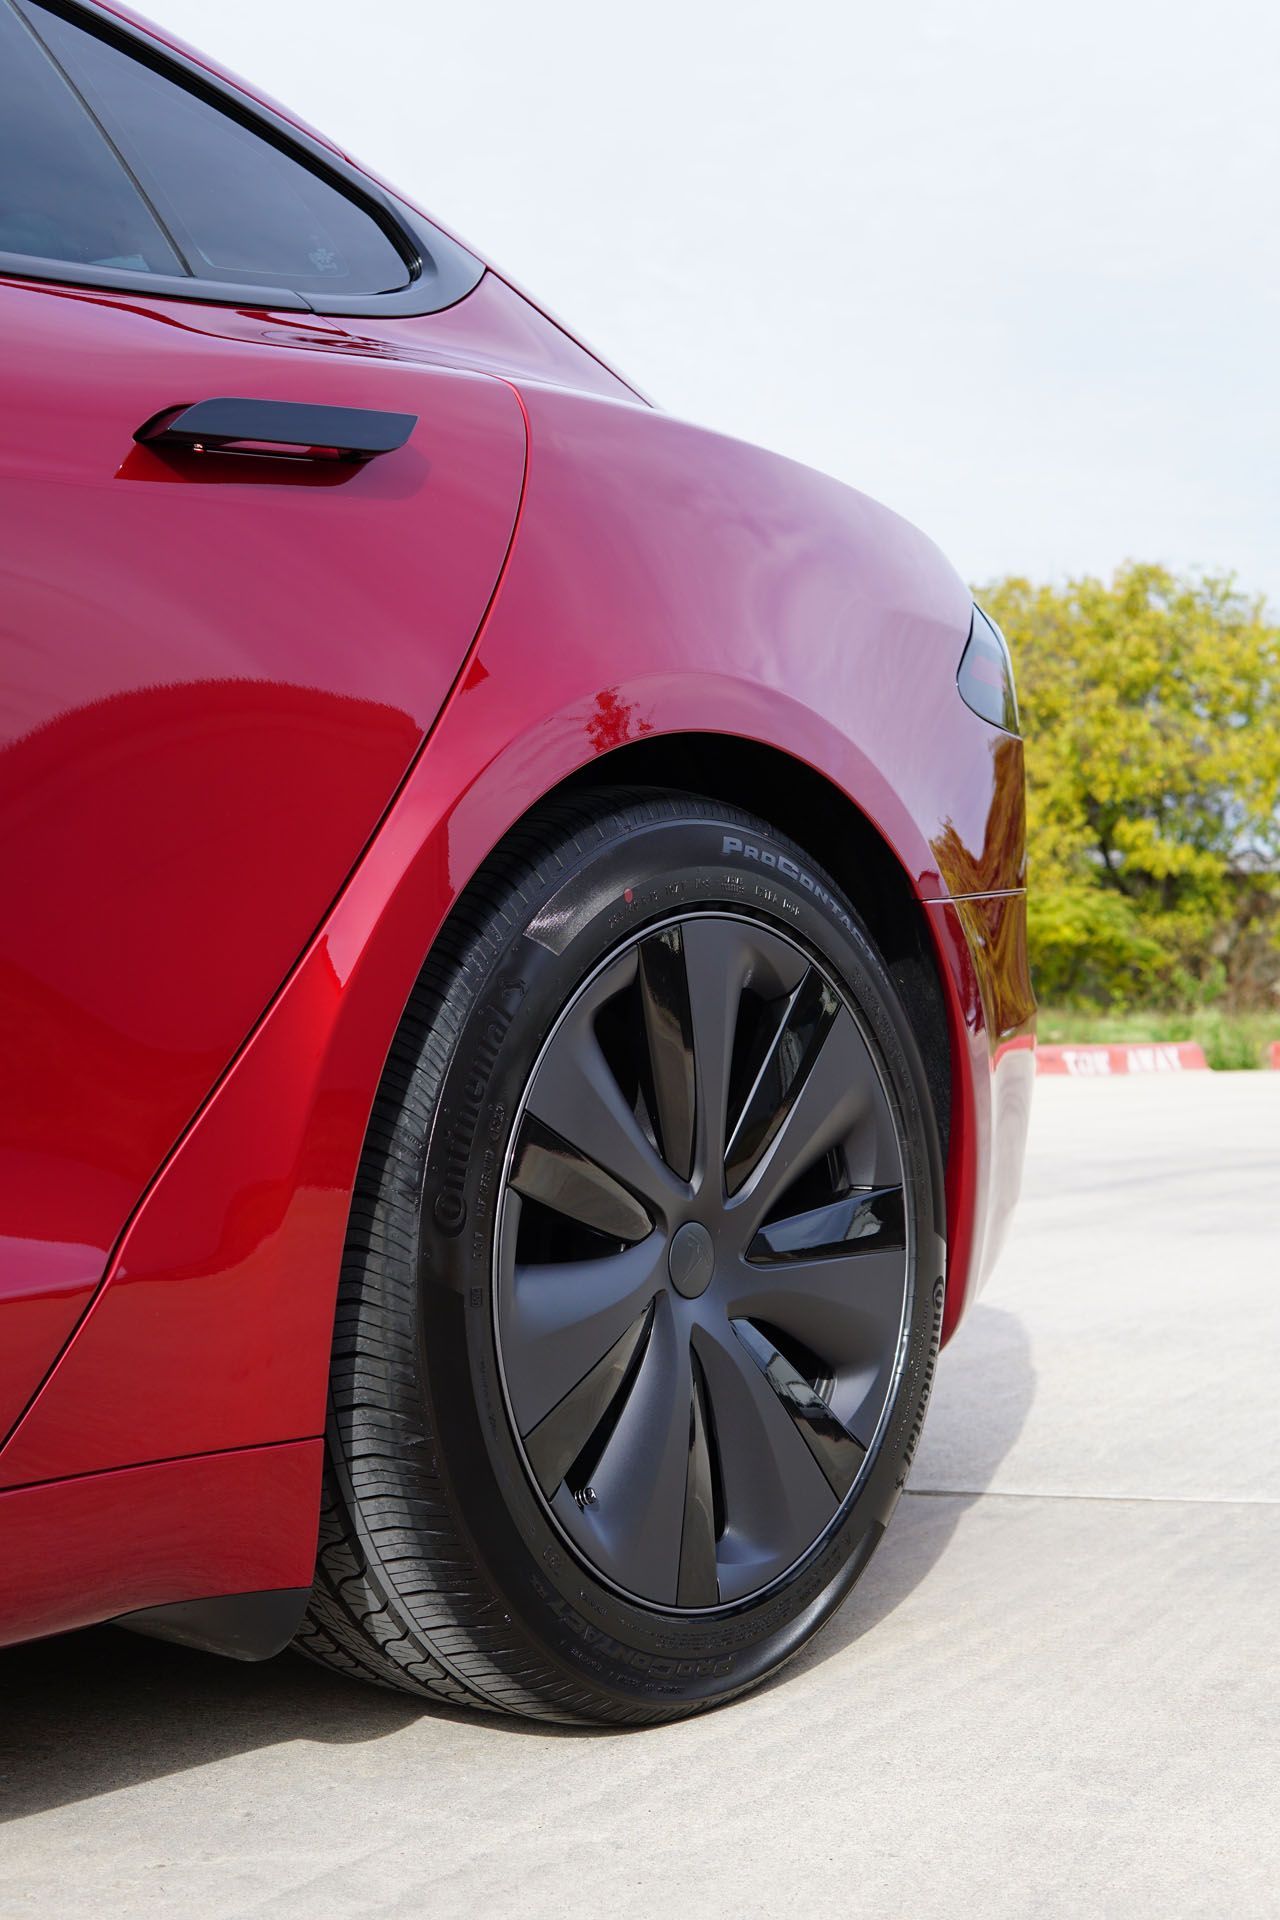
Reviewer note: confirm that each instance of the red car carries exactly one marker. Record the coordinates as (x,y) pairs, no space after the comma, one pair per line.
(516,1024)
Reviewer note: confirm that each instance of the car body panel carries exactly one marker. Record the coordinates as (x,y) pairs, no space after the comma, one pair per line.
(107,1544)
(494,330)
(982,944)
(235,1253)
(216,675)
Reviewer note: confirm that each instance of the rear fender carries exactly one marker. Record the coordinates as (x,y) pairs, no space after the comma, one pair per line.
(806,610)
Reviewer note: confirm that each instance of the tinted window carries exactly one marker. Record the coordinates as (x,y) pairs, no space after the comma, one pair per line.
(63,194)
(239,208)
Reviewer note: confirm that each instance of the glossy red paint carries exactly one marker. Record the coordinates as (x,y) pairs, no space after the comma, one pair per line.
(494,330)
(227,849)
(991,1013)
(105,1544)
(195,750)
(227,1250)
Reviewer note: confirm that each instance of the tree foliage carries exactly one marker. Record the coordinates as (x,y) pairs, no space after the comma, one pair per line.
(1151,711)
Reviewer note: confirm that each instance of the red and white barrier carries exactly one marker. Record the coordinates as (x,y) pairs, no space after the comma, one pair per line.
(1157,1056)
(1275,1055)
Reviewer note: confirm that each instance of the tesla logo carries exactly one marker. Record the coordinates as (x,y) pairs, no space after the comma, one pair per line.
(691,1259)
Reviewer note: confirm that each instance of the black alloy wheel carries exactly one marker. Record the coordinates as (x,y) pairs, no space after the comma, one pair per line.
(644,1277)
(701,1262)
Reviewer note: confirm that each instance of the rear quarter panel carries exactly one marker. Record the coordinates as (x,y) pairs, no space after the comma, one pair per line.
(663,580)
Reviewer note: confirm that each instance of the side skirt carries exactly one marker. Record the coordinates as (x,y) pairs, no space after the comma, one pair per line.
(163,1537)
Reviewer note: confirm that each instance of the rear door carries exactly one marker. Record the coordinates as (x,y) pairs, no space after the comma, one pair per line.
(215,667)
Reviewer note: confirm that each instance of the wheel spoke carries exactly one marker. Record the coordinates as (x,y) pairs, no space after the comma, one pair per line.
(698,1585)
(575,1093)
(863,1221)
(559,1319)
(776,1497)
(547,1168)
(562,1435)
(820,1101)
(871,1154)
(632,1520)
(664,996)
(832,1445)
(717,962)
(807,1017)
(845,1311)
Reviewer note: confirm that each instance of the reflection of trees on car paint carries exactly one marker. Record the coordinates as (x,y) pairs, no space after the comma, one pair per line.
(1000,862)
(997,925)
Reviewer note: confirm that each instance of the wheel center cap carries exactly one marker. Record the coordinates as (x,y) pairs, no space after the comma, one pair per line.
(691,1259)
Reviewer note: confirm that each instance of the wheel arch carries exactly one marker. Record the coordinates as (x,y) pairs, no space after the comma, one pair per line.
(812,810)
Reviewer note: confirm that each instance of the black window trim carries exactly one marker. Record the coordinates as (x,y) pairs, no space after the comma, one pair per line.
(441,272)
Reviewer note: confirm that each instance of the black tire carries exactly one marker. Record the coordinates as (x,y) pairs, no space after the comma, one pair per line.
(443,1569)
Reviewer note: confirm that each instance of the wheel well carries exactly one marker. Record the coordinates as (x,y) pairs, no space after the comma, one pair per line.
(814,813)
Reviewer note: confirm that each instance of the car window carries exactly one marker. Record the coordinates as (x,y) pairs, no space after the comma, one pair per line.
(237,206)
(64,195)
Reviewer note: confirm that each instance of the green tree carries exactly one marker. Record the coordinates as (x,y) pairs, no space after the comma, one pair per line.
(1151,710)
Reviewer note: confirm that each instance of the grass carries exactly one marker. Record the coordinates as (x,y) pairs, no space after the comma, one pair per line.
(1231,1041)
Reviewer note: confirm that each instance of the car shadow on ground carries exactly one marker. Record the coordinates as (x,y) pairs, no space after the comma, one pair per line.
(93,1712)
(990,1384)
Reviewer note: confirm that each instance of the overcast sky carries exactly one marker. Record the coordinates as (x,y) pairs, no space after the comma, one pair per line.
(1012,268)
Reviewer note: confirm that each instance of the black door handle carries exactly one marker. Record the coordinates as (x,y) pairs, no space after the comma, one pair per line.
(278,427)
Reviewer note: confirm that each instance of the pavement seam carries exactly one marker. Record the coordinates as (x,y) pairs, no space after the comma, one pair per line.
(1113,1499)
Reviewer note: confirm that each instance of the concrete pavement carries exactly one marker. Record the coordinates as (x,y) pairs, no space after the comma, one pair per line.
(1055,1692)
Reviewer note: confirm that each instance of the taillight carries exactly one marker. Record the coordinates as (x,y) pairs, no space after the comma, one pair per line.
(985,678)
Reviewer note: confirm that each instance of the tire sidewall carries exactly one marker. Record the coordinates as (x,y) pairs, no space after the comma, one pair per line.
(587,898)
